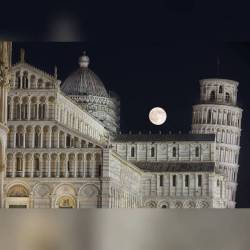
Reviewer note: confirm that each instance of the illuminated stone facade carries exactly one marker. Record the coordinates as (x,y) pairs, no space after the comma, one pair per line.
(56,152)
(218,113)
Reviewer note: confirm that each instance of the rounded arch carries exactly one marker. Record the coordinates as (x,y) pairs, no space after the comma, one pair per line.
(89,196)
(33,81)
(150,204)
(64,188)
(66,201)
(40,83)
(163,204)
(189,204)
(178,204)
(18,190)
(41,190)
(84,187)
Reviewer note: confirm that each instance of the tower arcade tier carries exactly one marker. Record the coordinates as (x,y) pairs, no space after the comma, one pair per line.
(218,113)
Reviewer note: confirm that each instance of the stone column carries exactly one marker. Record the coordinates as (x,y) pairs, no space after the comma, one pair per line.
(21,79)
(29,109)
(32,166)
(46,115)
(24,137)
(58,139)
(37,110)
(83,165)
(14,137)
(41,136)
(14,166)
(92,165)
(32,132)
(65,140)
(49,165)
(40,166)
(1,103)
(50,137)
(66,166)
(58,166)
(11,108)
(24,166)
(75,167)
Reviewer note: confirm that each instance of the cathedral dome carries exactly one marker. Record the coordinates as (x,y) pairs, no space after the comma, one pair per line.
(84,81)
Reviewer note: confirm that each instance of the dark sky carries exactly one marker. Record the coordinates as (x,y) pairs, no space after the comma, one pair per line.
(150,54)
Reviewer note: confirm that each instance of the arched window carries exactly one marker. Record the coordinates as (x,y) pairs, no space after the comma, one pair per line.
(68,166)
(8,111)
(37,139)
(161,180)
(18,111)
(212,95)
(174,180)
(68,141)
(132,153)
(199,180)
(220,90)
(197,151)
(18,80)
(19,140)
(25,80)
(186,180)
(174,152)
(33,111)
(19,164)
(41,111)
(152,152)
(24,111)
(227,97)
(83,144)
(209,116)
(37,164)
(223,137)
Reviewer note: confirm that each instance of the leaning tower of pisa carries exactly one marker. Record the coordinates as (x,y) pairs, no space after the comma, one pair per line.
(218,113)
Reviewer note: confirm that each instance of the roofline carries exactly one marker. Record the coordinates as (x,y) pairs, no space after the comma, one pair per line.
(219,79)
(33,68)
(164,137)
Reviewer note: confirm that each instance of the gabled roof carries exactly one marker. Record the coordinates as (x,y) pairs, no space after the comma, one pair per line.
(32,68)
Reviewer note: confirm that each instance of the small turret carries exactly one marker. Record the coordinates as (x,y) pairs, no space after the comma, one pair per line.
(84,60)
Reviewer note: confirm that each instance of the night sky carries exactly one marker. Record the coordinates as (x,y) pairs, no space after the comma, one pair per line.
(149,54)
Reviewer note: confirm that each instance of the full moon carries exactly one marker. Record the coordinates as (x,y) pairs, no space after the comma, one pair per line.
(157,116)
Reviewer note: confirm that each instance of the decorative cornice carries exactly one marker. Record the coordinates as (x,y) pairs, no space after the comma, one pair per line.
(218,81)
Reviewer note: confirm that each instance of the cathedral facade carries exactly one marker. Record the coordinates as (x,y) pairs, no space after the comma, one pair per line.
(61,146)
